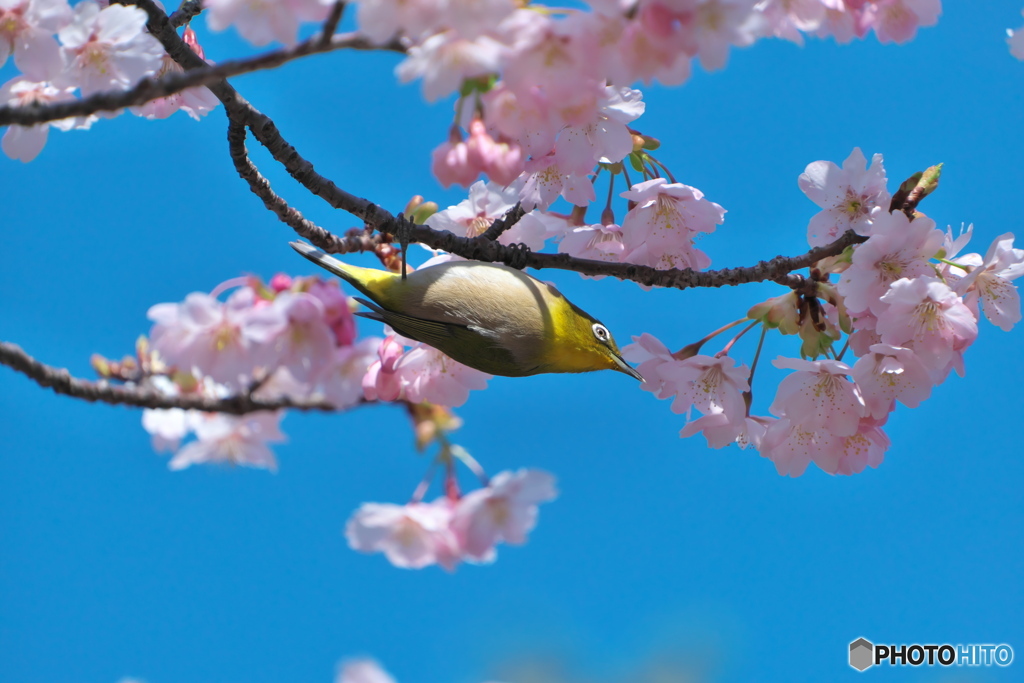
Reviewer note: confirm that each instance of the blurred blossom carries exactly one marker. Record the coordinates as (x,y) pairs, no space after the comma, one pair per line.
(411,536)
(504,510)
(236,440)
(362,671)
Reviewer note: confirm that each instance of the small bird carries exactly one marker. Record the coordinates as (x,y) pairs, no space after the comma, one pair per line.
(490,317)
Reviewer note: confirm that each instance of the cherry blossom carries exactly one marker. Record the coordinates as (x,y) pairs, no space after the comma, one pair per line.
(846,195)
(262,22)
(26,32)
(709,384)
(790,19)
(304,344)
(792,446)
(411,536)
(648,48)
(719,24)
(1015,39)
(866,448)
(525,117)
(362,671)
(167,427)
(991,283)
(888,374)
(337,310)
(721,429)
(24,143)
(445,59)
(925,315)
(382,381)
(604,136)
(195,102)
(381,20)
(559,57)
(654,360)
(486,203)
(426,374)
(505,510)
(450,163)
(545,180)
(838,22)
(472,18)
(596,242)
(818,396)
(659,230)
(896,21)
(108,49)
(899,248)
(218,340)
(341,382)
(502,162)
(236,440)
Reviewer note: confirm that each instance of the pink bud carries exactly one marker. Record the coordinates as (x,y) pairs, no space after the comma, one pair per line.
(280,283)
(450,165)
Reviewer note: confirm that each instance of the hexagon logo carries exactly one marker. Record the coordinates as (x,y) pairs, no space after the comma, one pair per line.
(862,654)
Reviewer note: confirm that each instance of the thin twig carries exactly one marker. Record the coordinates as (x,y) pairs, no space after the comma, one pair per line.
(511,217)
(149,89)
(331,24)
(355,240)
(61,381)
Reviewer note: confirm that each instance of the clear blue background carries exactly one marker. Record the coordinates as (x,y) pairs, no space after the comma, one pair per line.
(660,555)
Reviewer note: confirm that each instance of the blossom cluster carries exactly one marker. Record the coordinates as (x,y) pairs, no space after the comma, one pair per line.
(454,528)
(658,231)
(908,300)
(93,47)
(293,338)
(544,93)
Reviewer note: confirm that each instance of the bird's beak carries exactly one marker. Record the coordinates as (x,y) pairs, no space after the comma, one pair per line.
(626,367)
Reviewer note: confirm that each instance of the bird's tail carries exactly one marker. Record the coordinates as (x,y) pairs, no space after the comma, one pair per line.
(369,281)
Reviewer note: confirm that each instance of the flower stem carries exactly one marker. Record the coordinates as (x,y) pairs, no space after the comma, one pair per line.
(725,349)
(694,348)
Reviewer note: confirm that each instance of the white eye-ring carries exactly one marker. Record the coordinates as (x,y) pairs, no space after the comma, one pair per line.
(601,332)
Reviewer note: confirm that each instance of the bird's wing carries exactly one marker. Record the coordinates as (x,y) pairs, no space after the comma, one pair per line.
(427,331)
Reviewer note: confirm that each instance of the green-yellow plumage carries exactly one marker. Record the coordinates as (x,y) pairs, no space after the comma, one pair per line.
(488,316)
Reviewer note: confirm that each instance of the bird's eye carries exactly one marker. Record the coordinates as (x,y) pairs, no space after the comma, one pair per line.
(601,332)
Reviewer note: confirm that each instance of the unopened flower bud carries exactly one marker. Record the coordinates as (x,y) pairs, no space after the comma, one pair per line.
(422,212)
(782,312)
(413,204)
(688,351)
(186,381)
(101,365)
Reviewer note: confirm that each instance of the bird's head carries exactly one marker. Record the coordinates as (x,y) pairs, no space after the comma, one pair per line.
(585,344)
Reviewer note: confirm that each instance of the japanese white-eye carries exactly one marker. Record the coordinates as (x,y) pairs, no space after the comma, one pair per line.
(488,316)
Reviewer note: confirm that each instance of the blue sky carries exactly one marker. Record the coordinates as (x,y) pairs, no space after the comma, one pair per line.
(658,553)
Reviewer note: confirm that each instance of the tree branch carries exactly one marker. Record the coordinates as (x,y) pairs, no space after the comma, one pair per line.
(355,240)
(517,256)
(149,89)
(187,11)
(61,381)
